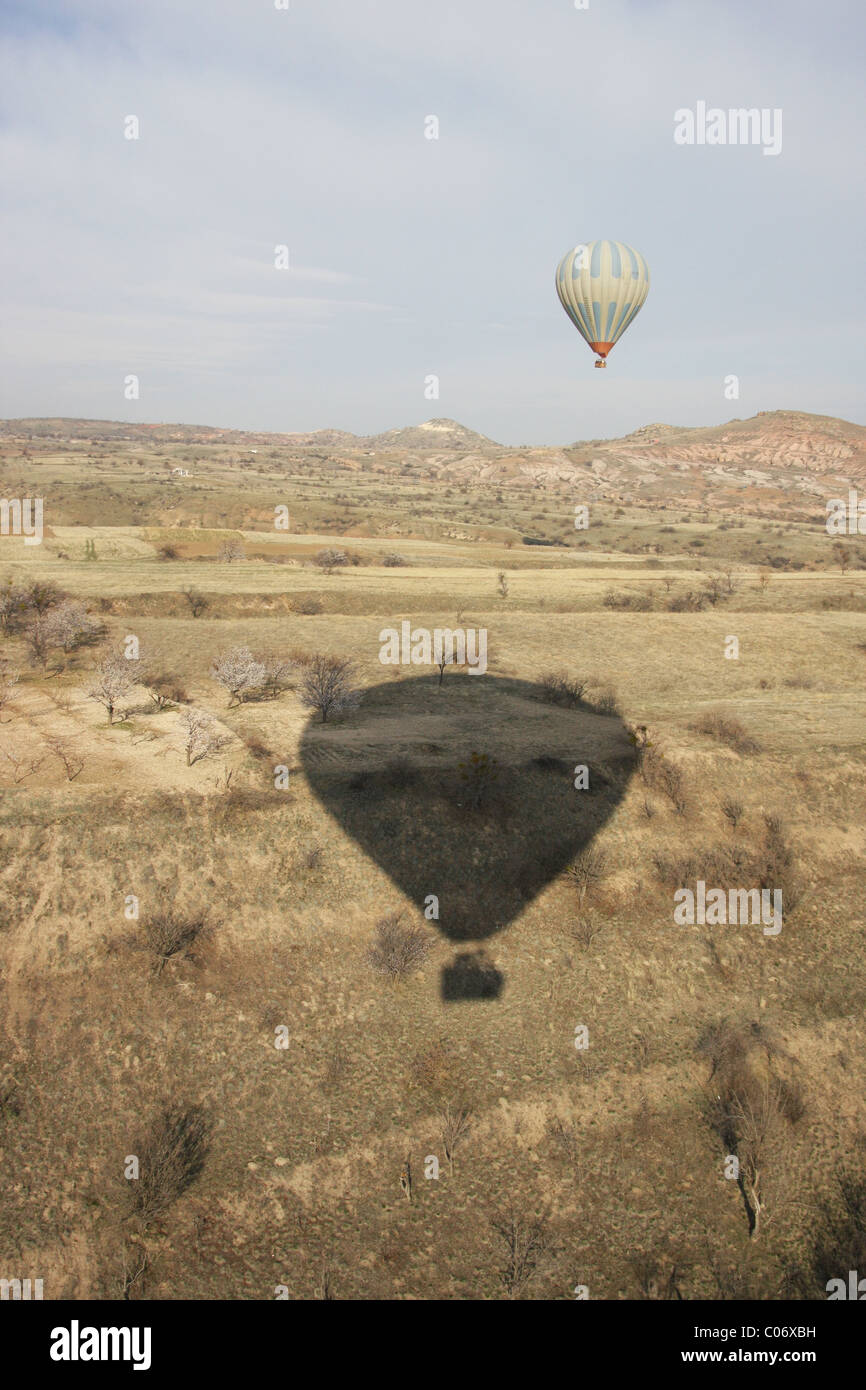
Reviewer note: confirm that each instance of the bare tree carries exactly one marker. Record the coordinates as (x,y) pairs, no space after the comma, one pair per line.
(71,758)
(329,560)
(239,672)
(37,635)
(22,765)
(502,584)
(755,1097)
(133,1267)
(113,679)
(9,677)
(455,1123)
(587,870)
(525,1241)
(446,658)
(171,1155)
(749,1120)
(42,595)
(201,736)
(327,686)
(13,604)
(196,601)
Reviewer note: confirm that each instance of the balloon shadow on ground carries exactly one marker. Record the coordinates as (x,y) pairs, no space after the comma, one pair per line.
(465,793)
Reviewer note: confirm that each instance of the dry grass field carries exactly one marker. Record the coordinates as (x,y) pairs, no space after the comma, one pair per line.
(236,1058)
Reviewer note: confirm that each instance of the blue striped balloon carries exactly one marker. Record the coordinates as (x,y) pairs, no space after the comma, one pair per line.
(602,286)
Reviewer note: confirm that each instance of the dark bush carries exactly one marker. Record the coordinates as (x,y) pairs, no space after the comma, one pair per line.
(171,1156)
(727,730)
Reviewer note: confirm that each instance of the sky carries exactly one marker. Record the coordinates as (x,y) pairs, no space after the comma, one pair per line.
(411,258)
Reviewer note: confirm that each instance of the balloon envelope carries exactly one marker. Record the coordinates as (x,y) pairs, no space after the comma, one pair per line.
(602,286)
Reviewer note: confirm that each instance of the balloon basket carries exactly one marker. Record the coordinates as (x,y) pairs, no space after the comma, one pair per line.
(600,362)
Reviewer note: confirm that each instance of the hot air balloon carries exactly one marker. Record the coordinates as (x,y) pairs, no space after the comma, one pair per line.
(602,286)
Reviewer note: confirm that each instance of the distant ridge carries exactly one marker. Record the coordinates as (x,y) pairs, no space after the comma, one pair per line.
(774,458)
(444,435)
(432,434)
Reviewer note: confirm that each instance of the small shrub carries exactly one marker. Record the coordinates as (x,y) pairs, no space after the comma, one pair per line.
(776,864)
(689,602)
(329,560)
(605,702)
(587,870)
(399,948)
(769,864)
(435,1067)
(171,933)
(586,929)
(637,603)
(727,730)
(663,776)
(732,811)
(164,689)
(559,688)
(255,744)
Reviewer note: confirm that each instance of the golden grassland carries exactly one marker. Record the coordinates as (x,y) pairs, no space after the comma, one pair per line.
(602,1167)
